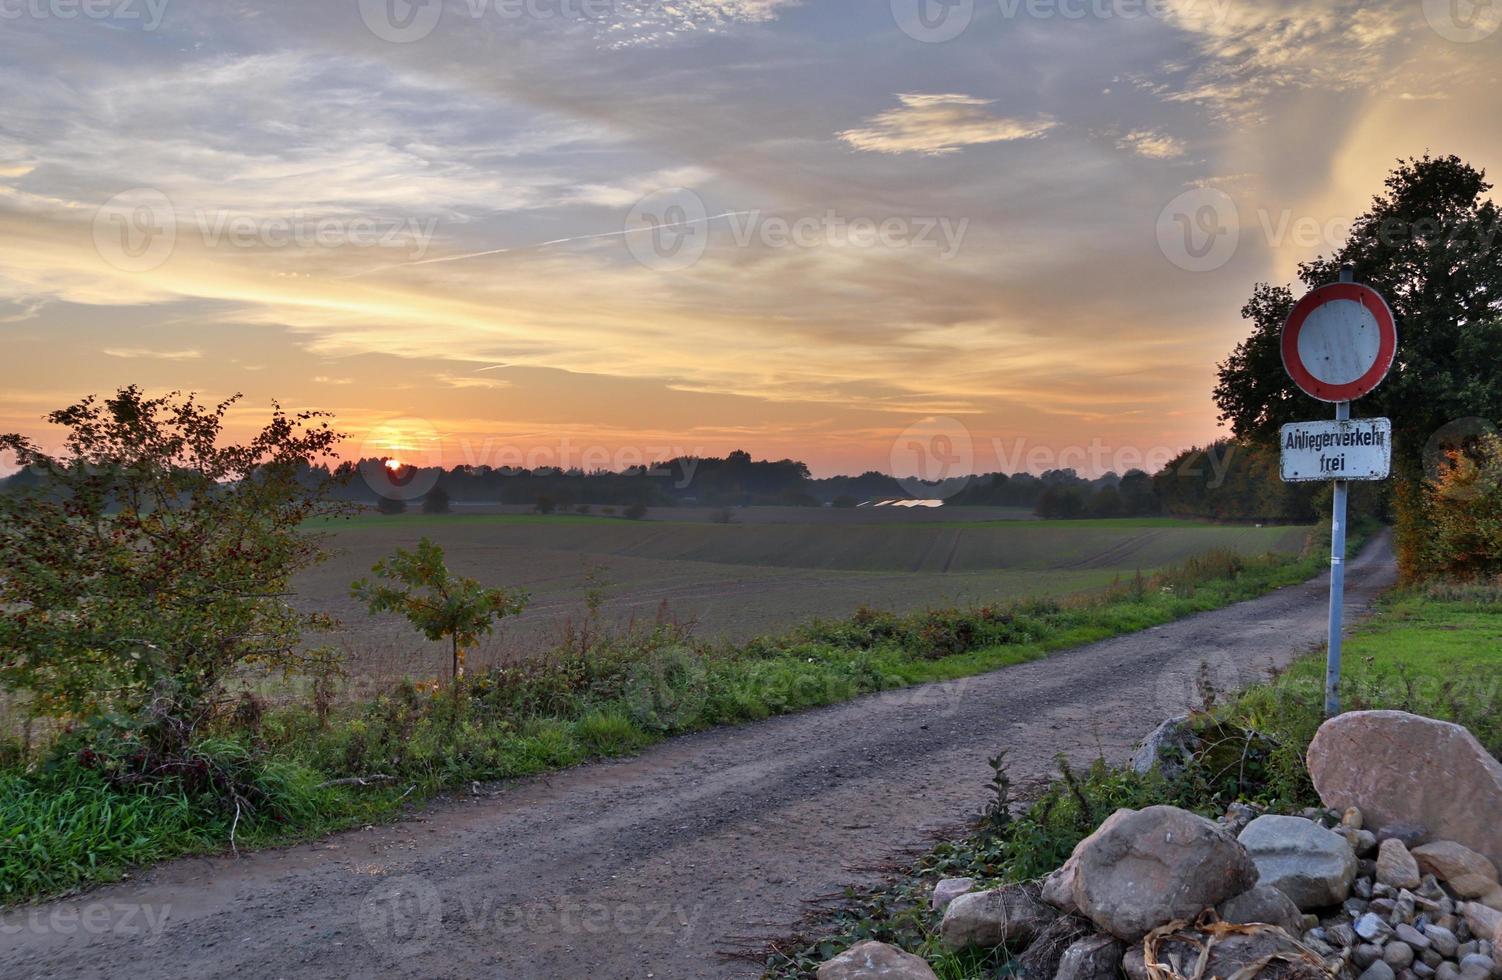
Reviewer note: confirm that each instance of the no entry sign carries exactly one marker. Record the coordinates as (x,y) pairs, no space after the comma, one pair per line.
(1339,342)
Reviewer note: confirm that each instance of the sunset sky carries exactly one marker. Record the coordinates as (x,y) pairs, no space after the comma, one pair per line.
(474,229)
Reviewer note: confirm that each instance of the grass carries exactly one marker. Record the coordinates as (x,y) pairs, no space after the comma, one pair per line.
(1433,651)
(67,824)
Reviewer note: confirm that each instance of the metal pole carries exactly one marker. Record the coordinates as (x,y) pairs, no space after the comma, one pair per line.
(1337,562)
(1337,582)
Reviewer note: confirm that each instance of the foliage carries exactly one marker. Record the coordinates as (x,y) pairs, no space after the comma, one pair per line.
(438,603)
(1465,499)
(152,561)
(612,696)
(635,512)
(436,501)
(391,505)
(1428,244)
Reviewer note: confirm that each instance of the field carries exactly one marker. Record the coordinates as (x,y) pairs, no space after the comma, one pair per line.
(768,570)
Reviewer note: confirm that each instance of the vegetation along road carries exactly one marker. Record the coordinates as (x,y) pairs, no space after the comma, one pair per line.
(655,865)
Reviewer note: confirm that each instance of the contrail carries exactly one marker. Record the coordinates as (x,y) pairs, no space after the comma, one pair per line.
(556,241)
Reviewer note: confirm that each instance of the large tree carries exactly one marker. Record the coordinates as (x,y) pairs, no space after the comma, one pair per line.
(1429,244)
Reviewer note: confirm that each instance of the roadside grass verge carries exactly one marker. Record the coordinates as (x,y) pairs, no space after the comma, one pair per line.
(1433,650)
(74,819)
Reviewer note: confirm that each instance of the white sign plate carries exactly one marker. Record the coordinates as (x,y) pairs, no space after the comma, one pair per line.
(1360,449)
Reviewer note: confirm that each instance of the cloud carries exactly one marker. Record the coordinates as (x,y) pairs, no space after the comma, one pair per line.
(1151,144)
(1247,52)
(133,353)
(940,124)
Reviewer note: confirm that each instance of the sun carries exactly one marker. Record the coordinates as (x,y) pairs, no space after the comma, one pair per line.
(394,464)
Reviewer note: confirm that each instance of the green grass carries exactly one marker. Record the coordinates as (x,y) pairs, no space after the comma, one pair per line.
(65,826)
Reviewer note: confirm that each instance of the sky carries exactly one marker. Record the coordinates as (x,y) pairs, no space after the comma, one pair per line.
(904,235)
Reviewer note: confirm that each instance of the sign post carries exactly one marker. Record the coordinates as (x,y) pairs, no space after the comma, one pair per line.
(1338,344)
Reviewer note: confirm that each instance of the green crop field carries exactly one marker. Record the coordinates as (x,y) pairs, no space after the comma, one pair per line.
(763,573)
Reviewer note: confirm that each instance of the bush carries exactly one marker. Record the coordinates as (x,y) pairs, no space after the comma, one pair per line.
(1465,502)
(635,512)
(150,562)
(391,505)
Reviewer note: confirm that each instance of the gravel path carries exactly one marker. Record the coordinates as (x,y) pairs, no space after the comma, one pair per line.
(648,867)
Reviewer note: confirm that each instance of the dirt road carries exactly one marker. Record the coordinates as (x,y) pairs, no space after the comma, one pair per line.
(646,867)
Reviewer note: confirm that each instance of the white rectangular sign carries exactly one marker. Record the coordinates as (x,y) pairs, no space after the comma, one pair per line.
(1360,449)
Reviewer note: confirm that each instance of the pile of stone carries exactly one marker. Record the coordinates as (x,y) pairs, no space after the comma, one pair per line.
(1396,878)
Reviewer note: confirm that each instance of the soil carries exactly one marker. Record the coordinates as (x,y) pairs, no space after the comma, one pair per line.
(656,865)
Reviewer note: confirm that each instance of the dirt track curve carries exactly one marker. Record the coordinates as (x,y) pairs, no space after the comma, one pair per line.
(648,867)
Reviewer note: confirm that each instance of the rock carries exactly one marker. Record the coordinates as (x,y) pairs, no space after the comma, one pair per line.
(870,960)
(1058,888)
(1170,747)
(1040,961)
(1397,954)
(1237,816)
(1482,920)
(1133,963)
(1142,868)
(1476,967)
(1442,940)
(1265,904)
(1422,970)
(1402,768)
(1415,939)
(1311,865)
(1378,971)
(1012,916)
(1365,844)
(1341,935)
(950,889)
(1447,971)
(1370,926)
(1092,958)
(1396,868)
(1492,899)
(1365,955)
(1411,834)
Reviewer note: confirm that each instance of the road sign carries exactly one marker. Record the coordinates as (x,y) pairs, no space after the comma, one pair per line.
(1339,342)
(1358,449)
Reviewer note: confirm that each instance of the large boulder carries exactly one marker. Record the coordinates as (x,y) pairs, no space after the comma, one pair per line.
(870,960)
(1404,769)
(1265,904)
(1143,868)
(1313,866)
(1011,916)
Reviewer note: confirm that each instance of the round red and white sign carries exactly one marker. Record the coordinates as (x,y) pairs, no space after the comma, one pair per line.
(1339,342)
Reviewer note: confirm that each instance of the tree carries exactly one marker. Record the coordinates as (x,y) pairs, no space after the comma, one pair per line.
(1061,502)
(544,504)
(150,562)
(440,604)
(436,501)
(1429,244)
(391,505)
(635,512)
